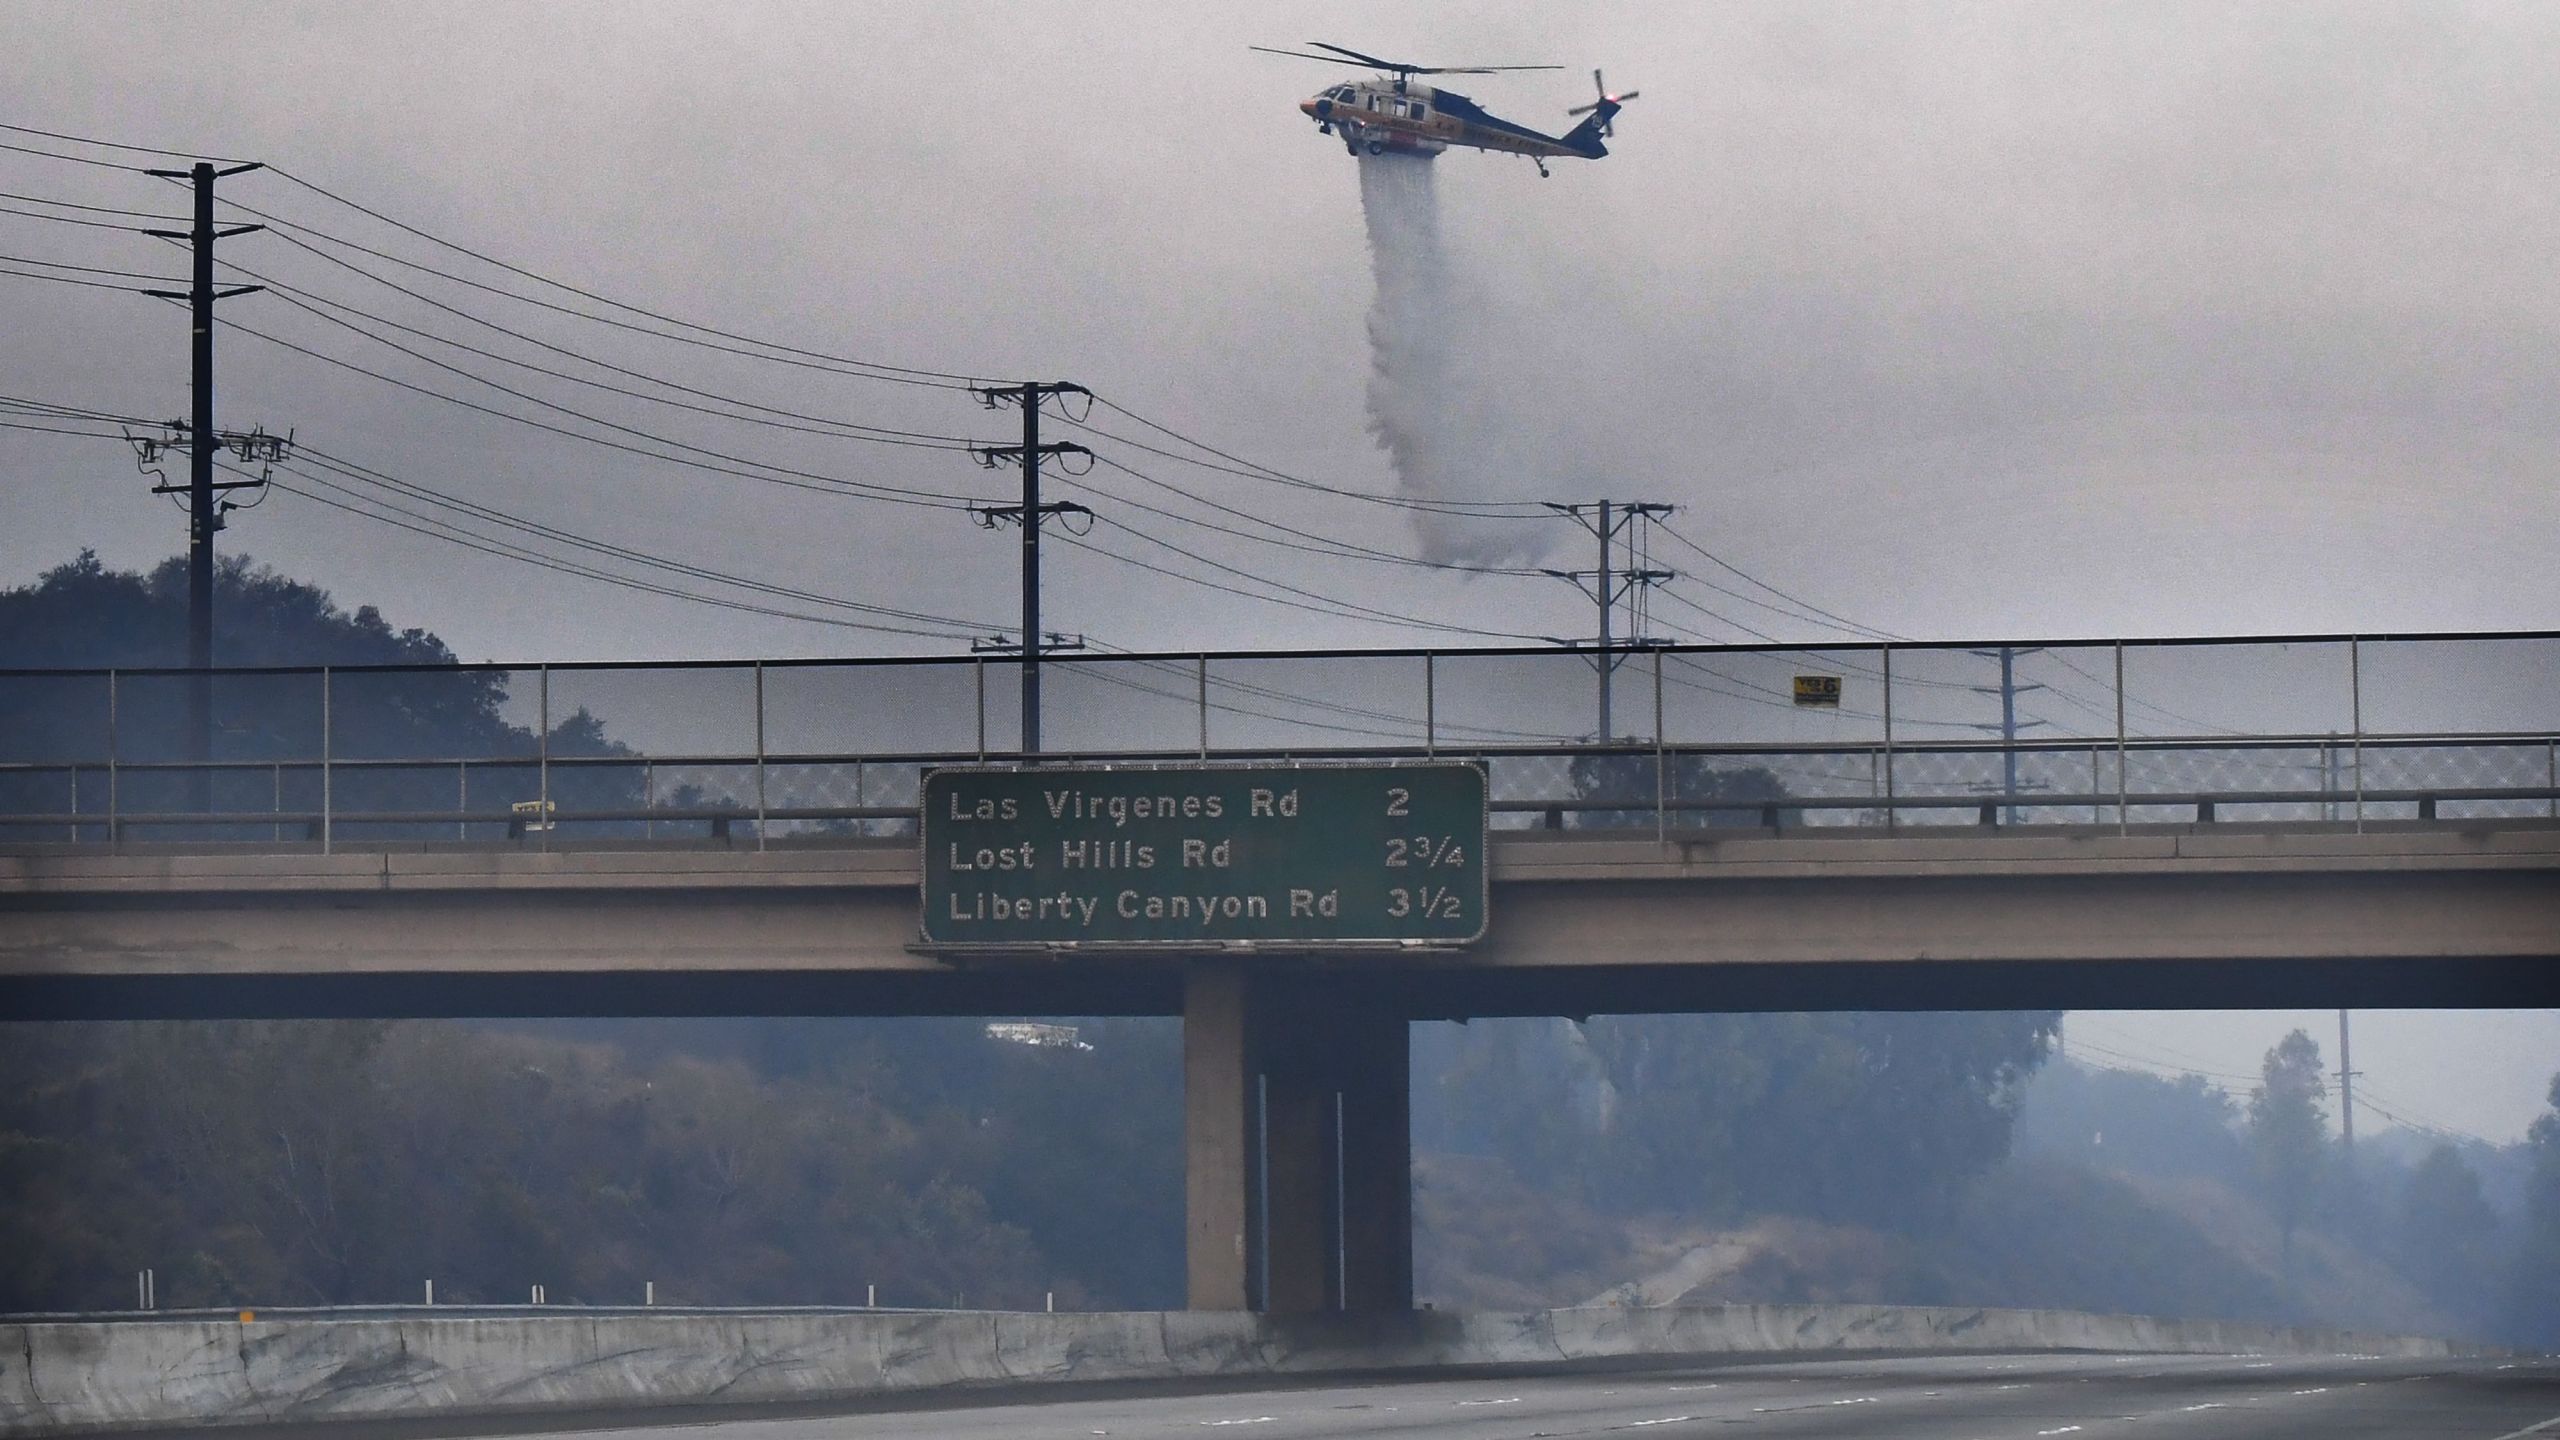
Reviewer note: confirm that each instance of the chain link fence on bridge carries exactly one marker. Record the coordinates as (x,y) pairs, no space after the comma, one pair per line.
(2304,731)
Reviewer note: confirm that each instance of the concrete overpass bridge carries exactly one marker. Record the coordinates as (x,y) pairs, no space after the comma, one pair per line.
(2243,823)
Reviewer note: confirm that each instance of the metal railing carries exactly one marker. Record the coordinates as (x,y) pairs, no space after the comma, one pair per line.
(2338,730)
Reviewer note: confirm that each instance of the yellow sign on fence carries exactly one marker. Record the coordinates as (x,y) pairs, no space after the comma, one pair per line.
(1822,690)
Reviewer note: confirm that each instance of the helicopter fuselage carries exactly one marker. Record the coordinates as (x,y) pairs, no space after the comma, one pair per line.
(1383,117)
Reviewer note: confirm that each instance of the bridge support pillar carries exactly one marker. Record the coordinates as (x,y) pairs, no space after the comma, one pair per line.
(1298,1146)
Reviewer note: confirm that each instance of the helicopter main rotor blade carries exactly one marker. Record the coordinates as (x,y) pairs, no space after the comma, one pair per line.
(1303,55)
(1352,56)
(1365,59)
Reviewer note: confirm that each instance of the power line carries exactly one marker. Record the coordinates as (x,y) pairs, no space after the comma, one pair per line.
(86,269)
(1753,600)
(1721,619)
(2159,1068)
(2135,1042)
(304,301)
(56,430)
(1785,700)
(769,474)
(437,528)
(961,380)
(448,531)
(289,230)
(1812,611)
(1408,726)
(1094,672)
(59,408)
(470,541)
(851,429)
(1719,561)
(1484,509)
(76,220)
(871,369)
(428,494)
(93,209)
(1087,544)
(876,369)
(1304,540)
(72,280)
(72,159)
(120,145)
(1357,611)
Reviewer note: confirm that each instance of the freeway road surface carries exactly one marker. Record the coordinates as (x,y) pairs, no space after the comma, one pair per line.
(2026,1397)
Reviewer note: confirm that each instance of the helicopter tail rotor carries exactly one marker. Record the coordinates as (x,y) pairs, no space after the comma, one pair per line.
(1604,111)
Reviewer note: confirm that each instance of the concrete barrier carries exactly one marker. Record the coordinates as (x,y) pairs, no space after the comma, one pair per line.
(62,1377)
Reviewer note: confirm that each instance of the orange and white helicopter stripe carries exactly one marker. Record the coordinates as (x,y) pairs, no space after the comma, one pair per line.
(1393,114)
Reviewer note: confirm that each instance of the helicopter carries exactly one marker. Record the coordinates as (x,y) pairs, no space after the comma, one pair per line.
(1380,116)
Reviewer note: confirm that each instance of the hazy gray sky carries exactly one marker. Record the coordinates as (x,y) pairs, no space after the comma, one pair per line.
(1958,319)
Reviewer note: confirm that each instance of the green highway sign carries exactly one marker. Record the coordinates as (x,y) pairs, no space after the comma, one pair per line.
(1204,857)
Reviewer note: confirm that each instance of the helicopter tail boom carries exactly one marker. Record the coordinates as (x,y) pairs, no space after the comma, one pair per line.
(1584,139)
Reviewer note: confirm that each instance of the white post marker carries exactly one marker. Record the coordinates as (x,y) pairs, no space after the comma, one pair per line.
(871,1297)
(1052,1303)
(648,1292)
(431,1292)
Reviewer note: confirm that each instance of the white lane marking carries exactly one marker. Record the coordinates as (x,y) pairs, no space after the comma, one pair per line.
(1798,1409)
(1710,1385)
(2319,1390)
(2065,1430)
(2208,1405)
(1506,1400)
(1665,1420)
(1256,1420)
(2543,1428)
(2008,1387)
(2261,1365)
